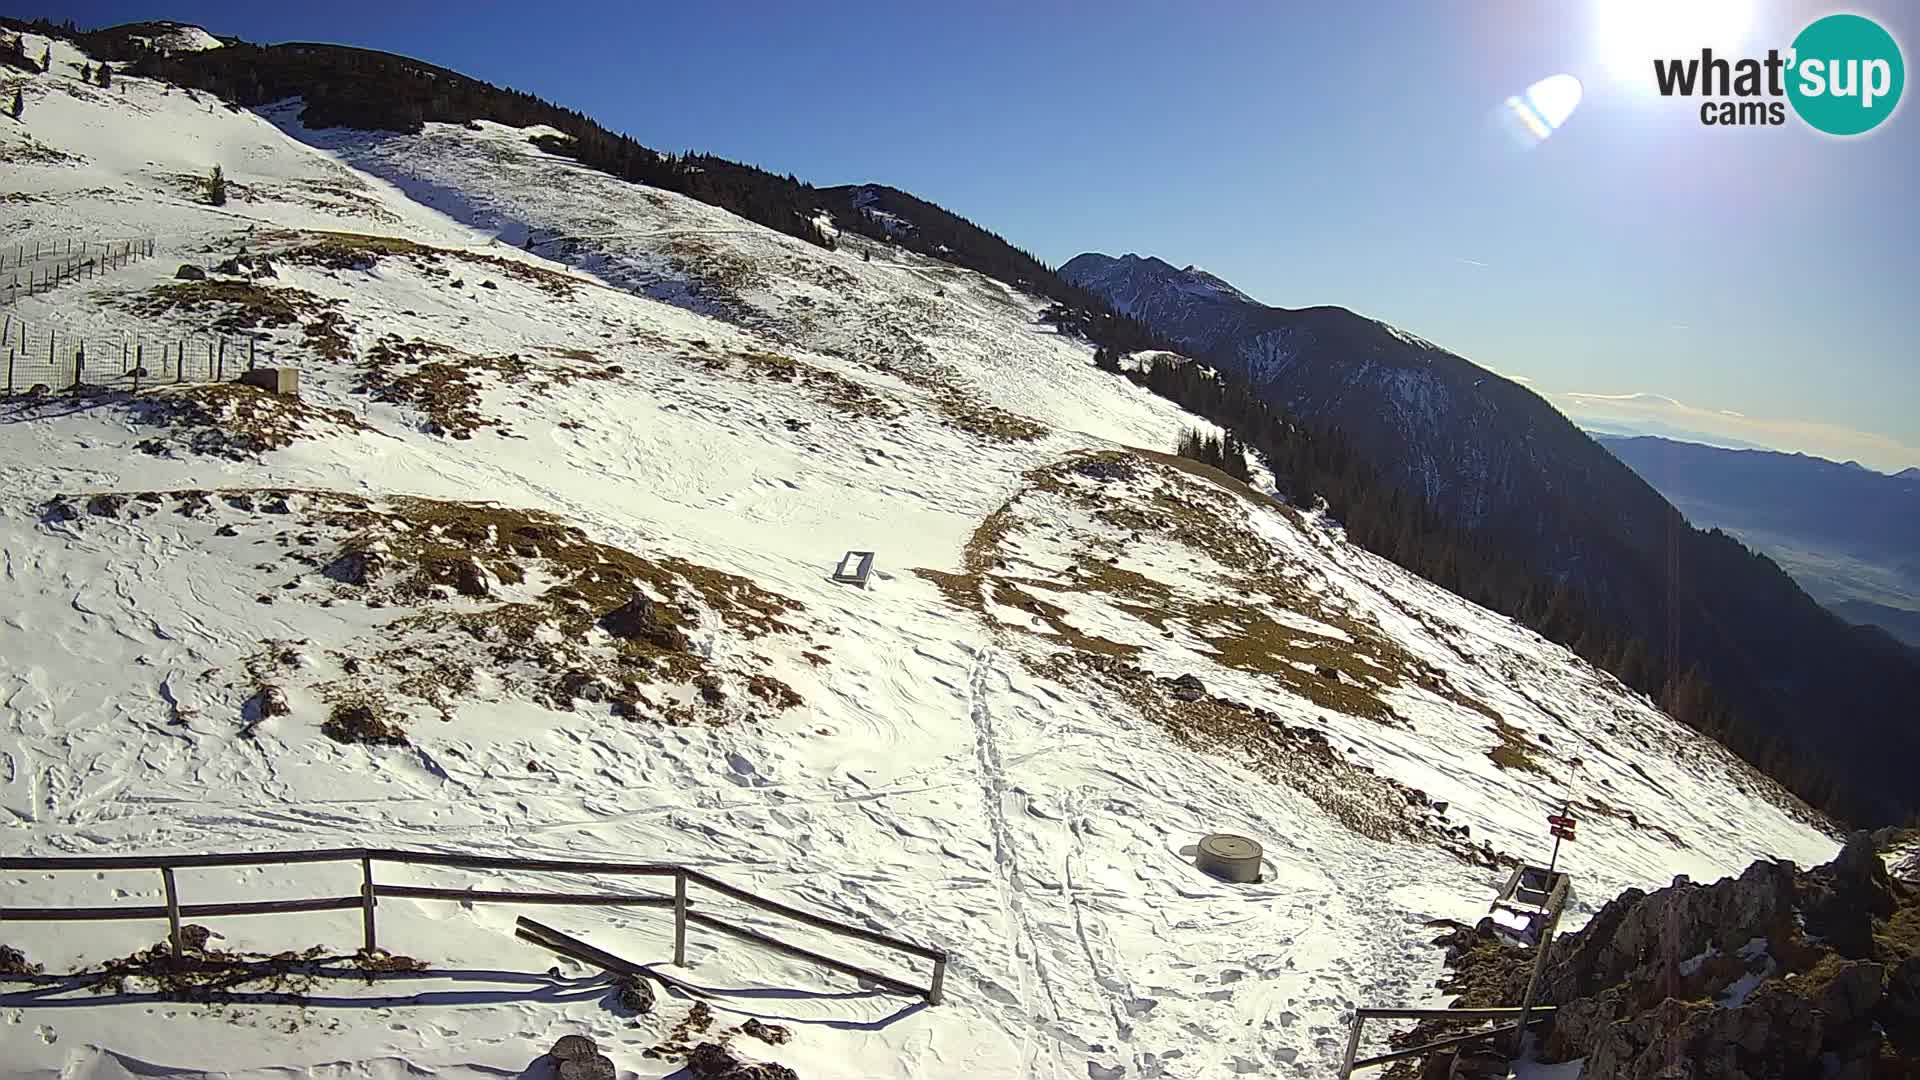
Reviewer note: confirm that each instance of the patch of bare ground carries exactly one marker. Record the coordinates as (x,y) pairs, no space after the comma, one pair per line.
(31,151)
(446,386)
(1257,615)
(240,306)
(1515,751)
(204,973)
(231,420)
(517,602)
(548,610)
(843,395)
(1374,806)
(361,251)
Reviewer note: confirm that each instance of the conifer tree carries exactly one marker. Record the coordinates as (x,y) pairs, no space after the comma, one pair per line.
(105,76)
(46,59)
(86,73)
(217,187)
(17,103)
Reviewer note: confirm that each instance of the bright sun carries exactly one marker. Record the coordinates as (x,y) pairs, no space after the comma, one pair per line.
(1630,34)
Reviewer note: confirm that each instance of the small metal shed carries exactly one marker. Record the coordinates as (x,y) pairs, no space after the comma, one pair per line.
(855,568)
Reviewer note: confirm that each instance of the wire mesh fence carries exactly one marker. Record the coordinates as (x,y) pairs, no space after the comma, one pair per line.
(41,358)
(26,269)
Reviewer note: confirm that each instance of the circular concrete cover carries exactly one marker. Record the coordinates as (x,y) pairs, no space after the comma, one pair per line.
(1235,858)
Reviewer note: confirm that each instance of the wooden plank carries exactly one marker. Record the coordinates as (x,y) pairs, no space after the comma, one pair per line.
(798,953)
(1500,1013)
(417,892)
(187,911)
(173,910)
(367,902)
(567,945)
(816,921)
(1440,1044)
(500,862)
(178,862)
(680,919)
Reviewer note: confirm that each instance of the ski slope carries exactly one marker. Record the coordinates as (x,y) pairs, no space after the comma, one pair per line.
(984,754)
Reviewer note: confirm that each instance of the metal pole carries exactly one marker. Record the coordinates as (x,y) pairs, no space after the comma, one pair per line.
(367,901)
(680,918)
(173,910)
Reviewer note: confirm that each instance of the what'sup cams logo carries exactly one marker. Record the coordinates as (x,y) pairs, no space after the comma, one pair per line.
(1843,76)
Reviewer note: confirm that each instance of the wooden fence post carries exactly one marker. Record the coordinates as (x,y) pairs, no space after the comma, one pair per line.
(367,901)
(123,356)
(220,368)
(680,918)
(209,359)
(251,342)
(180,363)
(937,989)
(79,367)
(173,910)
(9,372)
(139,362)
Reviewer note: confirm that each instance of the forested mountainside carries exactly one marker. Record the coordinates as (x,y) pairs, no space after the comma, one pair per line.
(1480,485)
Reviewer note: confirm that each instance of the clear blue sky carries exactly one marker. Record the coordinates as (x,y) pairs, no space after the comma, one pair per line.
(1310,153)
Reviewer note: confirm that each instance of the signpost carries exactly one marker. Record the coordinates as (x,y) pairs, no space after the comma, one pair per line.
(1561,825)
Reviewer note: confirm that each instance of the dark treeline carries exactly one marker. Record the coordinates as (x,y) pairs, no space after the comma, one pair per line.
(1224,452)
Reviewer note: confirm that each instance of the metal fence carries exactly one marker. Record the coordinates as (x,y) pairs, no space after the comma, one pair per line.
(684,912)
(27,269)
(48,357)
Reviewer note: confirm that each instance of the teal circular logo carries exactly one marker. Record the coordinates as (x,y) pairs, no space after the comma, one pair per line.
(1846,74)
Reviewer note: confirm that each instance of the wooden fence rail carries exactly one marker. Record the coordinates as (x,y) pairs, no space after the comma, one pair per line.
(371,890)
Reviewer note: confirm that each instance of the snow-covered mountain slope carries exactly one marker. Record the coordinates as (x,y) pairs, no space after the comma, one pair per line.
(985,751)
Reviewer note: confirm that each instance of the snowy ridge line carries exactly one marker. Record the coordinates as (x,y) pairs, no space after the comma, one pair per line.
(173,911)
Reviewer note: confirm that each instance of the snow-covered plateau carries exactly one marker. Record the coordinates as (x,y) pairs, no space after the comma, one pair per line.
(983,751)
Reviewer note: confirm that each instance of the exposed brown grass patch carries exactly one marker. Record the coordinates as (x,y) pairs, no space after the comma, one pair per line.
(365,721)
(1515,752)
(231,420)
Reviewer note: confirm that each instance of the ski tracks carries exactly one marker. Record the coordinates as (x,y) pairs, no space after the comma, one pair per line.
(1041,1010)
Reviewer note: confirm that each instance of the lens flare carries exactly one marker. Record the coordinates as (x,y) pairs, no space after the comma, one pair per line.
(1539,112)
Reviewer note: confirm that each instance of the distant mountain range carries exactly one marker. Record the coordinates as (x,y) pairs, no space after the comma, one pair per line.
(1500,461)
(1848,534)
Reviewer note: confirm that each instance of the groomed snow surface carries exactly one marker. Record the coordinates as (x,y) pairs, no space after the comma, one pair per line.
(688,386)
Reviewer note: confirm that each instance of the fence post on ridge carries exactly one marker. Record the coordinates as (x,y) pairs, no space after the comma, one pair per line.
(366,900)
(173,910)
(680,918)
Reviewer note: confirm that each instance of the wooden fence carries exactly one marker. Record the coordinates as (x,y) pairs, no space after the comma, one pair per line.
(25,270)
(42,355)
(371,890)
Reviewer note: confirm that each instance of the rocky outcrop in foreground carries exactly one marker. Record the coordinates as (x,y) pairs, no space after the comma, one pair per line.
(1778,974)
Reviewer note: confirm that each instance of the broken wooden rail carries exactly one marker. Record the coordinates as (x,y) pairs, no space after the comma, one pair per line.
(1361,1016)
(371,891)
